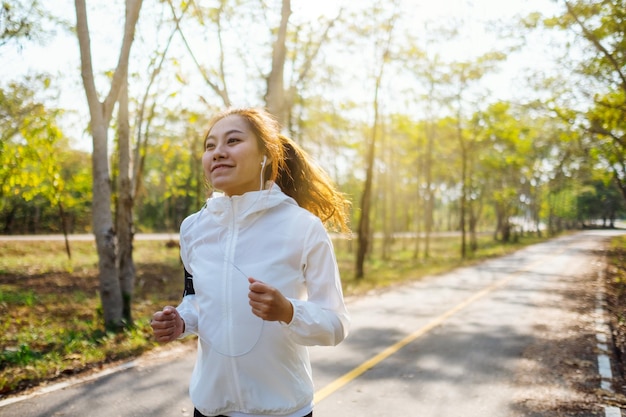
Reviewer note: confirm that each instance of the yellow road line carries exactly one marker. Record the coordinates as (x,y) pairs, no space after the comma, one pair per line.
(370,363)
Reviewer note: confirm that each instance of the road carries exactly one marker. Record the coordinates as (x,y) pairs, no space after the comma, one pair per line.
(454,344)
(84,237)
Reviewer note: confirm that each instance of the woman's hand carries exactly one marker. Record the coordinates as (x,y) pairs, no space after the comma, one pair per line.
(268,303)
(167,325)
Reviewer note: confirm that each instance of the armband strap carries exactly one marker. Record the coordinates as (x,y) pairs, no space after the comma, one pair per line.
(188,284)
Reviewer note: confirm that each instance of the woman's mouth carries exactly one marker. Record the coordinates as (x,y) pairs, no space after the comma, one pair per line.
(219,166)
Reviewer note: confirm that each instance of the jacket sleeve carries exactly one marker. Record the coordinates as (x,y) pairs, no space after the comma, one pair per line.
(321,319)
(188,308)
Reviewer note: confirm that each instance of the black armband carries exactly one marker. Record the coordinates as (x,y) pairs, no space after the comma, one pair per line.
(188,284)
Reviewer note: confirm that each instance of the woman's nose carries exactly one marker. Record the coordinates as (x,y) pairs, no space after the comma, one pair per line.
(219,152)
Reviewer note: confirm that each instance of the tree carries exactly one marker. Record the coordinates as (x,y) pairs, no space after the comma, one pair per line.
(428,70)
(600,199)
(506,150)
(34,174)
(462,76)
(279,70)
(363,231)
(601,25)
(100,118)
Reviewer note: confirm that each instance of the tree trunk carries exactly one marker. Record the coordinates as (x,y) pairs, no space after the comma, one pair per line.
(124,221)
(102,218)
(100,118)
(275,96)
(418,227)
(463,202)
(68,250)
(364,229)
(497,234)
(366,201)
(473,222)
(620,184)
(430,195)
(387,212)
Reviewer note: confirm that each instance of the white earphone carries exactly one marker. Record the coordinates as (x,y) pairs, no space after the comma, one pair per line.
(262,171)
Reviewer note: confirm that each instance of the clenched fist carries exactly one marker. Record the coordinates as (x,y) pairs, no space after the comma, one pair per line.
(167,325)
(268,303)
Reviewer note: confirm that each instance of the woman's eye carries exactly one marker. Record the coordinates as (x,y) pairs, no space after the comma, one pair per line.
(233,140)
(209,146)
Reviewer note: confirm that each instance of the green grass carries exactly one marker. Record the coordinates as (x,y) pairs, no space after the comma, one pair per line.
(401,265)
(51,310)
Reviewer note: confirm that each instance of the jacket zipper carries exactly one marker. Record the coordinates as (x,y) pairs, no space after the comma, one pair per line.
(229,262)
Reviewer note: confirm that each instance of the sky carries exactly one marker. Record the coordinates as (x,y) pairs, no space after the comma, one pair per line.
(60,56)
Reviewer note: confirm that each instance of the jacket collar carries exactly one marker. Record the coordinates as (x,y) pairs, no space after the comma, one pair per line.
(241,207)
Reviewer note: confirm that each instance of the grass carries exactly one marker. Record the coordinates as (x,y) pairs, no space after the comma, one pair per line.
(51,310)
(615,292)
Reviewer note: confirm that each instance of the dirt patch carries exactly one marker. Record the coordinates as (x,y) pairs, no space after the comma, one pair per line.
(615,293)
(559,372)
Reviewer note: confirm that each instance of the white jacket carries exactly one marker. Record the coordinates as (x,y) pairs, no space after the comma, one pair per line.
(247,365)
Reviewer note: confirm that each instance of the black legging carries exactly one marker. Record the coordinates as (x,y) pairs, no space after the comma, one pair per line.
(197,413)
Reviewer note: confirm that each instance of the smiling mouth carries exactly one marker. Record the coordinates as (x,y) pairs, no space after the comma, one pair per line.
(219,166)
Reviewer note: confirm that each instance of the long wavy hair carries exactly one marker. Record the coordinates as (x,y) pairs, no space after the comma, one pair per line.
(291,168)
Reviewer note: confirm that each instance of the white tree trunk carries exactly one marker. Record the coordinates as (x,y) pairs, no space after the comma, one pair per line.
(275,96)
(100,114)
(124,221)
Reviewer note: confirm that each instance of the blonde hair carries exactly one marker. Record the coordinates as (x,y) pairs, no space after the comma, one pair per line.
(291,168)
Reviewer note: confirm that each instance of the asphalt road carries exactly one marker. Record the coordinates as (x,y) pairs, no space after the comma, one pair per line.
(447,345)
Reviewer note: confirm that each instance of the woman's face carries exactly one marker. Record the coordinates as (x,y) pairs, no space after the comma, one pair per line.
(232,158)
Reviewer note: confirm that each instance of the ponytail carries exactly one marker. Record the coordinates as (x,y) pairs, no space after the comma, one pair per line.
(311,187)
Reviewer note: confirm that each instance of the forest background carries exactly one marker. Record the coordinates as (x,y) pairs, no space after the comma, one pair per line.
(466,117)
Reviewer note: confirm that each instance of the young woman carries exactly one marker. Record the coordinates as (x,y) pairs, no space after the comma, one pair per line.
(261,278)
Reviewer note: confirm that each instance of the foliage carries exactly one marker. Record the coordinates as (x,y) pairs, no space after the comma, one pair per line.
(600,26)
(39,172)
(23,19)
(172,183)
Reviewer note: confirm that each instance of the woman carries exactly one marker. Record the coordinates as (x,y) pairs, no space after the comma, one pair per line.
(261,278)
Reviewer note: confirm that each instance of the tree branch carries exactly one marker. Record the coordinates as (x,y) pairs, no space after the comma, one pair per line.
(121,71)
(219,91)
(598,45)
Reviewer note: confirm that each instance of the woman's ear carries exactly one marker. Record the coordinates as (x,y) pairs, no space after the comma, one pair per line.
(265,160)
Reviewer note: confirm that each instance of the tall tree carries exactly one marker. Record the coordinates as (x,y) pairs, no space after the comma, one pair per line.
(462,76)
(429,71)
(601,24)
(504,158)
(363,231)
(100,117)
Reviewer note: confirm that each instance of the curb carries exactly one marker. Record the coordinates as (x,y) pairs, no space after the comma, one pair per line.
(603,332)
